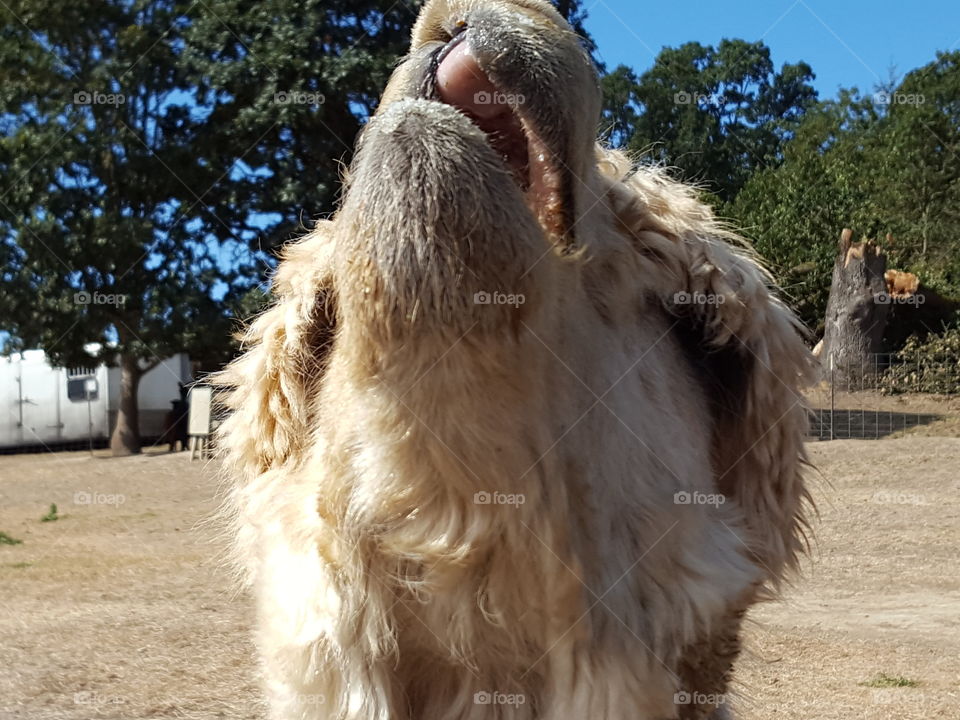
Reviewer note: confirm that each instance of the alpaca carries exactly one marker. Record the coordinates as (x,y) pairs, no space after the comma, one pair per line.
(521,436)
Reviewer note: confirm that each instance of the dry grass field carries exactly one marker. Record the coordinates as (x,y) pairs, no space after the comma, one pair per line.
(119,609)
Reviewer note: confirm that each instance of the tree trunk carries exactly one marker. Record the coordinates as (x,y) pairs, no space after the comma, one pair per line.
(857,311)
(126,434)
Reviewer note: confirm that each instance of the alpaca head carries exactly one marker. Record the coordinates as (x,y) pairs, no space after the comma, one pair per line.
(470,173)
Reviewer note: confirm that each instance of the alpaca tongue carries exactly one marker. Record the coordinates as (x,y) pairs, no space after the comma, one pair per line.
(463,84)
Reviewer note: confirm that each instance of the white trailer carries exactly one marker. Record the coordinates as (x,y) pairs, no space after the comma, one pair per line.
(46,405)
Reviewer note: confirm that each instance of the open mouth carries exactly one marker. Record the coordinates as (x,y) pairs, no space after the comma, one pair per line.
(456,78)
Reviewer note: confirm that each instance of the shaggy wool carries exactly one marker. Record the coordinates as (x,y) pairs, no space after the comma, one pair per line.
(521,436)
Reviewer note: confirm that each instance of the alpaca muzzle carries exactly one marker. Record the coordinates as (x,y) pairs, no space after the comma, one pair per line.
(431,222)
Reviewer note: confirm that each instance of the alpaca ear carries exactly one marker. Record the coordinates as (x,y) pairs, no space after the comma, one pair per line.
(745,346)
(271,388)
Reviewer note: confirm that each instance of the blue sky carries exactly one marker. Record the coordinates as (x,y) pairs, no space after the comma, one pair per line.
(846,42)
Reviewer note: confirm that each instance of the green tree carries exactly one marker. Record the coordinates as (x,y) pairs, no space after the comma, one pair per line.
(717,114)
(620,106)
(794,212)
(101,197)
(917,183)
(885,163)
(283,89)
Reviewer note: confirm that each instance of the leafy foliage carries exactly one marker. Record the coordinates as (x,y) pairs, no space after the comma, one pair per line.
(716,114)
(792,172)
(794,213)
(931,365)
(101,198)
(916,174)
(620,106)
(885,164)
(575,14)
(283,89)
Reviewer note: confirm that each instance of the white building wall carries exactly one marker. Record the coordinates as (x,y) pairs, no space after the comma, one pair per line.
(35,407)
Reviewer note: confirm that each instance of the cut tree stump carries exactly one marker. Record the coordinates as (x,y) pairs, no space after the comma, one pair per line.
(856,312)
(872,311)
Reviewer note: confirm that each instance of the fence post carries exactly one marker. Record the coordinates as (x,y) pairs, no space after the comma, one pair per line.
(918,371)
(833,403)
(863,381)
(876,392)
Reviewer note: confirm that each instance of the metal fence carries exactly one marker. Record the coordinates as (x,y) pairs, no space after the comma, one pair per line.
(886,394)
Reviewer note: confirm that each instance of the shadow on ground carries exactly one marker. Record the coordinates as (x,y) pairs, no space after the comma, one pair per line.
(864,424)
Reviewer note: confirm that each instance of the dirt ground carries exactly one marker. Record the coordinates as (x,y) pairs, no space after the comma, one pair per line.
(119,609)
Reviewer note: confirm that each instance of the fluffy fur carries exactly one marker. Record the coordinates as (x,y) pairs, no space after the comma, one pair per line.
(378,406)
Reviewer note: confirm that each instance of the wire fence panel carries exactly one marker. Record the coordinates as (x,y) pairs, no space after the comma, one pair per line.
(886,394)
